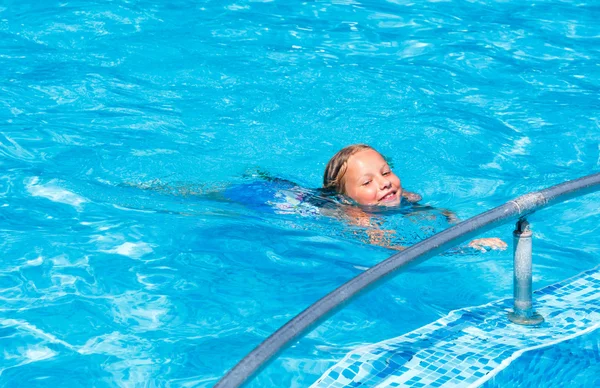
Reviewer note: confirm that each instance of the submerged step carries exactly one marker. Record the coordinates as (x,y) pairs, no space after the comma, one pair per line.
(471,345)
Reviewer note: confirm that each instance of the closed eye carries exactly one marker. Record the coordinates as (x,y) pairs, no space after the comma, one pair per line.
(386,173)
(366,183)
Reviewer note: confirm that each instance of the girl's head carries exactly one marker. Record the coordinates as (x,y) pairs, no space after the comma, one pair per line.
(361,173)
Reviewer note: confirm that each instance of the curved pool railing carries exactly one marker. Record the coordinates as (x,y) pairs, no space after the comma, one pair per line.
(523,313)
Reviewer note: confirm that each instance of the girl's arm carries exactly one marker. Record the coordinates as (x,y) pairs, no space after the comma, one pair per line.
(377,236)
(480,244)
(383,237)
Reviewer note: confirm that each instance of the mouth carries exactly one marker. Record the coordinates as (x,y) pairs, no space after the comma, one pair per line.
(390,196)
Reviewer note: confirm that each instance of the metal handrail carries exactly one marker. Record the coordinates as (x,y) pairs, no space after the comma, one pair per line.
(518,208)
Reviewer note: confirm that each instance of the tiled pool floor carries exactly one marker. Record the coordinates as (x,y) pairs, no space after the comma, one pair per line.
(470,346)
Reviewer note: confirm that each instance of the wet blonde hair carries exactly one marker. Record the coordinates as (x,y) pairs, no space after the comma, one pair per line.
(333,178)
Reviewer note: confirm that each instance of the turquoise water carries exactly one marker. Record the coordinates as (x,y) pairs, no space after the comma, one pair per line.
(579,359)
(116,117)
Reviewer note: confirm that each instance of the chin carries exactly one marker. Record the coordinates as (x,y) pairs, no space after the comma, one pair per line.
(390,203)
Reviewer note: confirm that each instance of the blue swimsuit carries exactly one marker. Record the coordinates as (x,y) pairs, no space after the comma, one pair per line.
(277,195)
(411,222)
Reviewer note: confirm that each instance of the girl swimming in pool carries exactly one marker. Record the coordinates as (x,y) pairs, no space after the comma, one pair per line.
(358,183)
(362,174)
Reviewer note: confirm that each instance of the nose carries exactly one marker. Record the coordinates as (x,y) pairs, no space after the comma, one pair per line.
(384,183)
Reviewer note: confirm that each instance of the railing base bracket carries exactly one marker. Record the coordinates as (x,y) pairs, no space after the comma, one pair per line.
(532,320)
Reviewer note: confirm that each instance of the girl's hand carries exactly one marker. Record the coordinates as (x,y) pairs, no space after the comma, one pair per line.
(492,243)
(411,197)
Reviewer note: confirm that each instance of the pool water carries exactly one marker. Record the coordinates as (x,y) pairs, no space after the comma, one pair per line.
(122,123)
(579,364)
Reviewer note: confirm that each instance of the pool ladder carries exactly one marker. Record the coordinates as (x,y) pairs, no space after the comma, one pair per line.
(522,314)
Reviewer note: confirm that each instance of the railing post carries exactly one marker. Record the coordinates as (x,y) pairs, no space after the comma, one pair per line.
(523,313)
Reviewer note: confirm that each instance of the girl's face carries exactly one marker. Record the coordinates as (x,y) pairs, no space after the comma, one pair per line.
(370,181)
